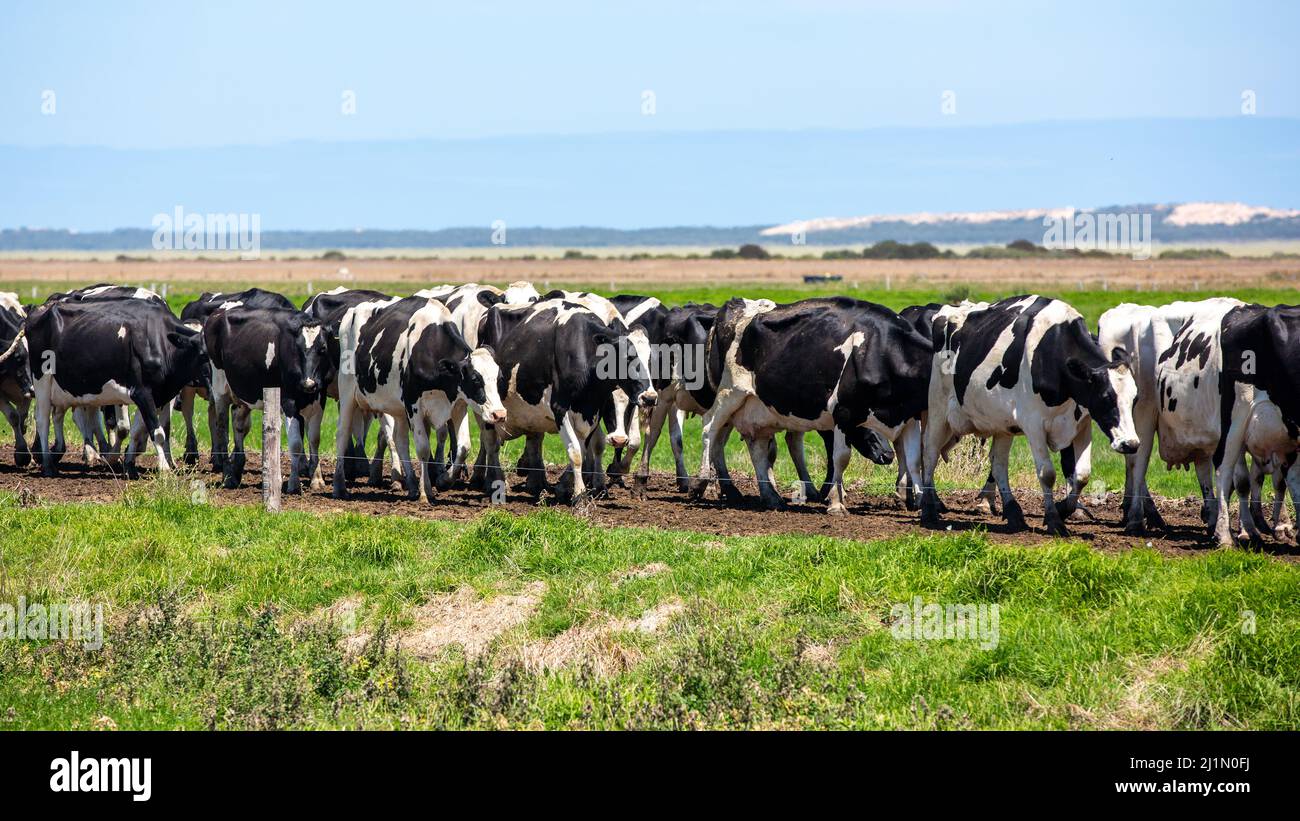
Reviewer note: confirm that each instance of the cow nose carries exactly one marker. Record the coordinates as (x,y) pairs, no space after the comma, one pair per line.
(618,441)
(309,385)
(648,398)
(496,417)
(1126,446)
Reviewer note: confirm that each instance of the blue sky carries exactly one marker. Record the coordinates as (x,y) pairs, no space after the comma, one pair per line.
(149,75)
(460,109)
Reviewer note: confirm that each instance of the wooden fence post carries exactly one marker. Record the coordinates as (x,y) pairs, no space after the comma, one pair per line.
(271,449)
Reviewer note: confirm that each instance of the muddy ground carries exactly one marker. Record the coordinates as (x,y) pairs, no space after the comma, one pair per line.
(870,517)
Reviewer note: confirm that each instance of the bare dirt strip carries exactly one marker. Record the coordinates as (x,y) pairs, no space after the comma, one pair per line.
(870,517)
(623,274)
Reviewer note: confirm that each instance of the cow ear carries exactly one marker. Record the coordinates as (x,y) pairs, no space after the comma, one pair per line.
(488,298)
(552,294)
(1119,356)
(1077,369)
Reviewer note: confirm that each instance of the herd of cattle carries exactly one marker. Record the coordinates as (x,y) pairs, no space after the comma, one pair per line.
(1217,380)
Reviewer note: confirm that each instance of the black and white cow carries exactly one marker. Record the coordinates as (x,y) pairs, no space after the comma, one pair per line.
(1229,384)
(686,335)
(329,308)
(406,358)
(194,315)
(820,364)
(109,353)
(103,429)
(1144,332)
(560,365)
(1025,365)
(257,348)
(649,316)
(16,385)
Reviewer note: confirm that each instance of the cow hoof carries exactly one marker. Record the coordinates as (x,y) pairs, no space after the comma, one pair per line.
(837,510)
(1135,529)
(190,458)
(729,493)
(1284,533)
(695,492)
(22,458)
(1056,528)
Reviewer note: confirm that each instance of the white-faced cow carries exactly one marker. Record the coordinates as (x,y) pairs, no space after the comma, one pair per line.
(1025,365)
(1229,384)
(1144,332)
(16,386)
(820,364)
(253,349)
(407,358)
(194,315)
(109,353)
(649,316)
(560,365)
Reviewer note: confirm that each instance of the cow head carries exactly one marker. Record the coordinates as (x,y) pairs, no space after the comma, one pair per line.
(478,384)
(189,363)
(1108,391)
(310,370)
(521,293)
(15,364)
(629,353)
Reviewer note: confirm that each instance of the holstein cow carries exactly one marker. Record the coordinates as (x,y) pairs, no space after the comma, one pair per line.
(194,315)
(110,353)
(257,348)
(1230,385)
(648,315)
(1144,332)
(16,386)
(820,364)
(329,308)
(409,360)
(1025,365)
(103,430)
(560,365)
(686,334)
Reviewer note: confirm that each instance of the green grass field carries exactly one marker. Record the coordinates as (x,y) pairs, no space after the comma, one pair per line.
(234,618)
(221,620)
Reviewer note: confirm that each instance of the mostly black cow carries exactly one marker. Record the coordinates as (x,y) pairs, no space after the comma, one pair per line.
(16,385)
(257,348)
(110,353)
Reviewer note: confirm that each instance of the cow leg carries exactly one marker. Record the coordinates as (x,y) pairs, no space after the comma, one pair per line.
(191,454)
(937,434)
(314,414)
(343,433)
(841,453)
(794,444)
(85,420)
(242,416)
(675,421)
(297,459)
(1139,508)
(911,456)
(1079,472)
(419,425)
(1209,499)
(1232,449)
(457,430)
(535,475)
(402,445)
(1283,528)
(382,442)
(999,470)
(220,420)
(760,454)
(489,455)
(1046,471)
(43,409)
(149,421)
(16,414)
(654,427)
(60,447)
(594,456)
(717,427)
(571,483)
(1254,482)
(1247,488)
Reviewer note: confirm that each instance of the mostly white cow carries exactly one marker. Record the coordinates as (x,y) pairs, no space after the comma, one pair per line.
(1025,365)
